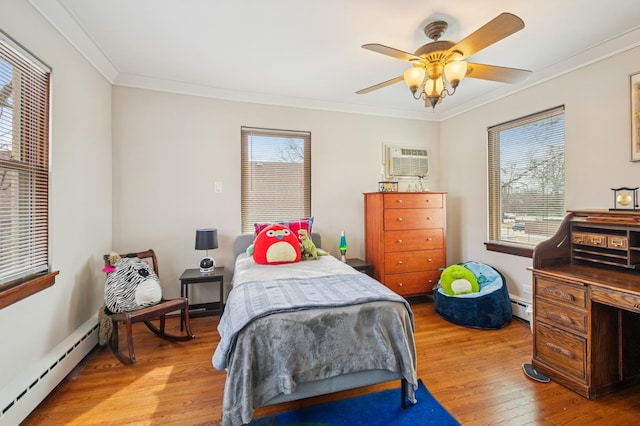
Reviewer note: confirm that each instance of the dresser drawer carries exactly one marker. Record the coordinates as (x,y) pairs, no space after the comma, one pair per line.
(413,282)
(561,292)
(413,240)
(407,219)
(413,261)
(561,350)
(412,201)
(560,316)
(615,298)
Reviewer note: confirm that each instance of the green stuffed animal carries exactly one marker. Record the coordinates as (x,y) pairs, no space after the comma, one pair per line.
(308,249)
(456,279)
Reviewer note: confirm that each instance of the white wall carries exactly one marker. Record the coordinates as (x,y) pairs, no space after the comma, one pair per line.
(168,150)
(80,197)
(597,123)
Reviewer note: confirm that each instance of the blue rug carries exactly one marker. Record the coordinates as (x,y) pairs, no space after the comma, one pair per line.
(381,408)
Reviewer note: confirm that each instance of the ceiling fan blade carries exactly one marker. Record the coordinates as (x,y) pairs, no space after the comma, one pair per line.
(492,32)
(380,85)
(495,73)
(390,51)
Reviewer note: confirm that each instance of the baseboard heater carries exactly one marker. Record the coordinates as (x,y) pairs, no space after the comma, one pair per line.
(23,395)
(520,308)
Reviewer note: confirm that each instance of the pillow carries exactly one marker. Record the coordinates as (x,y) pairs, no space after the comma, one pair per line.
(294,225)
(274,245)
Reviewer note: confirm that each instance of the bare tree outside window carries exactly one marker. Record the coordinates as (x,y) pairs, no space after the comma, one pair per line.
(526,178)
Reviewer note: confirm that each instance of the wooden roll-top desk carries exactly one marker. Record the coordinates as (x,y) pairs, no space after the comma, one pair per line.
(586,317)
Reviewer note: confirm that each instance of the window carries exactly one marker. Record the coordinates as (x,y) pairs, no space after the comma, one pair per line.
(276,175)
(526,179)
(24,172)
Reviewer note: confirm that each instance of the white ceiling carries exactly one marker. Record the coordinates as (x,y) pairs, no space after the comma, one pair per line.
(308,53)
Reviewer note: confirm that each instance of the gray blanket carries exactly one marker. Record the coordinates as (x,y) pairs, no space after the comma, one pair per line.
(249,301)
(308,330)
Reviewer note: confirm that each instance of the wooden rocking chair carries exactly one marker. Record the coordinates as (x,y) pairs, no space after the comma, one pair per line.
(145,315)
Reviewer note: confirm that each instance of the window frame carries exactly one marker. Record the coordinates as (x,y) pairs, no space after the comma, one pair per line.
(33,125)
(495,214)
(248,218)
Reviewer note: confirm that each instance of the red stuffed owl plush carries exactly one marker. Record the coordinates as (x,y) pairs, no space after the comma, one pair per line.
(276,244)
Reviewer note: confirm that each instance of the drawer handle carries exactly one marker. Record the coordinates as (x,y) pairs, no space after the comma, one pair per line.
(399,262)
(399,201)
(561,294)
(597,240)
(429,260)
(428,218)
(399,219)
(400,241)
(559,317)
(399,284)
(561,351)
(617,243)
(428,200)
(429,239)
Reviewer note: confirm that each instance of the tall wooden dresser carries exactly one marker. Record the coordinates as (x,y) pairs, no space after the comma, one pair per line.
(586,284)
(405,239)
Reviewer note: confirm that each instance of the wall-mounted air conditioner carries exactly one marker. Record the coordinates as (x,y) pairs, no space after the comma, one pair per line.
(406,162)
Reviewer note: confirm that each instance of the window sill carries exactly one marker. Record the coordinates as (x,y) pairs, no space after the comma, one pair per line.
(506,248)
(22,290)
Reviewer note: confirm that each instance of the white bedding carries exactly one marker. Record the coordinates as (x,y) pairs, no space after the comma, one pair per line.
(247,270)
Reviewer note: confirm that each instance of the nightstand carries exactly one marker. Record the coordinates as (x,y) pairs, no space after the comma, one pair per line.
(362,266)
(194,276)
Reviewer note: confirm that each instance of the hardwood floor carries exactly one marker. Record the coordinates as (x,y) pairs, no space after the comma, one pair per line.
(475,374)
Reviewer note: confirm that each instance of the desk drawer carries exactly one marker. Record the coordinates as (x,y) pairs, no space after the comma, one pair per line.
(587,239)
(564,351)
(413,261)
(561,292)
(627,301)
(567,318)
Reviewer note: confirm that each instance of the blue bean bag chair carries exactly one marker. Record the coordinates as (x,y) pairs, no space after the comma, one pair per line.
(490,308)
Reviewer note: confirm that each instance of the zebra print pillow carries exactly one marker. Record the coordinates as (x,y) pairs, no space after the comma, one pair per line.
(131,286)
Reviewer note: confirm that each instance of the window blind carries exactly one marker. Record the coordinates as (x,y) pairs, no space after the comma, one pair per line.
(276,175)
(526,177)
(24,163)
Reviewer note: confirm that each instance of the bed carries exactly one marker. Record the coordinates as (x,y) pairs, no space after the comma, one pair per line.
(309,328)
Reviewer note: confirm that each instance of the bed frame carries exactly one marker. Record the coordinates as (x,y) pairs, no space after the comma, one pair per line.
(333,384)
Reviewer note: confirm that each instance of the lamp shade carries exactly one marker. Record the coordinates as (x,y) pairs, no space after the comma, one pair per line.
(206,239)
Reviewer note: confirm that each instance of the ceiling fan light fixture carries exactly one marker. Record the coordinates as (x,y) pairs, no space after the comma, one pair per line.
(434,88)
(413,77)
(455,71)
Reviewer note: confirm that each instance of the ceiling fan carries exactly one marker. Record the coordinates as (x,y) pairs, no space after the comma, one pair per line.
(439,66)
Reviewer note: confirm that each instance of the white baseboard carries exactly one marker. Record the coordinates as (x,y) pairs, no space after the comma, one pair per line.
(23,395)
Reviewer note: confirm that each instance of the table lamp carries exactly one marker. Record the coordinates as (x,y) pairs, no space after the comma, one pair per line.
(207,239)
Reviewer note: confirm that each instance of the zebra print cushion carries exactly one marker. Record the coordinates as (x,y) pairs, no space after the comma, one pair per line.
(131,286)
